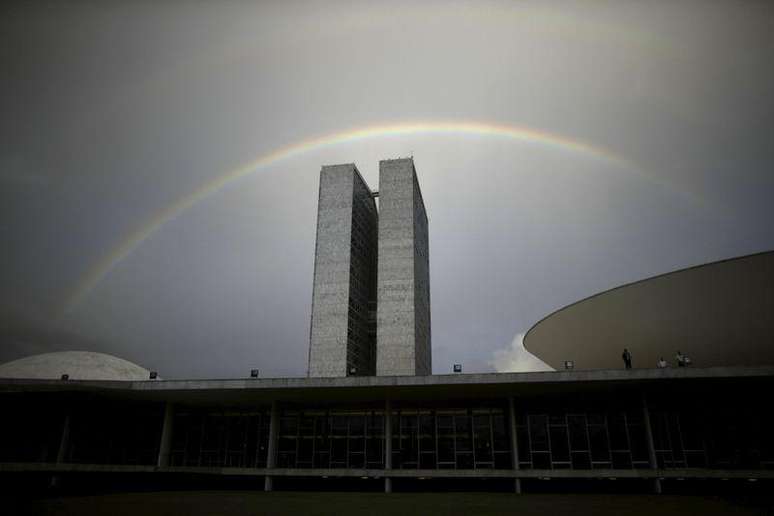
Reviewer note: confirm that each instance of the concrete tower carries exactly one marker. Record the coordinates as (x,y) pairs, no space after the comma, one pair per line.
(403,291)
(343,335)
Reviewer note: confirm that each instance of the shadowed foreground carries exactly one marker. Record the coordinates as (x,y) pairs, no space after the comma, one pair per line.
(374,504)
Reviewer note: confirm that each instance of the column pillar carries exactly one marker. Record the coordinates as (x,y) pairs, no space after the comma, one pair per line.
(387,445)
(64,445)
(651,445)
(167,427)
(514,443)
(271,457)
(64,442)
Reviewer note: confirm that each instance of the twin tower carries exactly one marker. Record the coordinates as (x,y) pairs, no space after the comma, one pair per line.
(371,294)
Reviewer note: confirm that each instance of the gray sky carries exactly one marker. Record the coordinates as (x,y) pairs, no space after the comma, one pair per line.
(113,112)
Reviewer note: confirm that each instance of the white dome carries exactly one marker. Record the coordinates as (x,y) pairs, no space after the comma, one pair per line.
(79,365)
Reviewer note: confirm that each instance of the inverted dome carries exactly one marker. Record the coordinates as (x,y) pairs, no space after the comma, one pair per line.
(79,365)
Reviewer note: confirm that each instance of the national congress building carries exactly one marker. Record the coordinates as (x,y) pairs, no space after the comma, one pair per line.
(371,416)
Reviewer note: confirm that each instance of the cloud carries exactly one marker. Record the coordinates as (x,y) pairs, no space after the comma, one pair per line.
(23,334)
(16,173)
(516,359)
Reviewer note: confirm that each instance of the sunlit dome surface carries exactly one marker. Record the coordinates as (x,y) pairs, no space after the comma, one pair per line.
(719,314)
(79,365)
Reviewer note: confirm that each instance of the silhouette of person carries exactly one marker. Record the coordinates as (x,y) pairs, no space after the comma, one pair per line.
(627,358)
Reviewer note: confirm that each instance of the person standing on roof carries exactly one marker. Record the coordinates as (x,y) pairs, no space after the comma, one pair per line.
(627,358)
(680,359)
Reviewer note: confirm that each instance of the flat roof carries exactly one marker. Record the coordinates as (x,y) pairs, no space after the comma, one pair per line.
(371,388)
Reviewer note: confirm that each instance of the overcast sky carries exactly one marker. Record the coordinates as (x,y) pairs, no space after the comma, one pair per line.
(657,124)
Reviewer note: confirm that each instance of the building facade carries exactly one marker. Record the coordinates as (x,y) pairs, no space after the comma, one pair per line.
(371,293)
(342,335)
(636,430)
(403,342)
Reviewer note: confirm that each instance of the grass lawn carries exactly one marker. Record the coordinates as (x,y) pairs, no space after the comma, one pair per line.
(200,503)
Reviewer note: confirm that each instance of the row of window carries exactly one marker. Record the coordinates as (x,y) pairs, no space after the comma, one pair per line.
(460,439)
(220,440)
(582,441)
(722,439)
(466,438)
(360,349)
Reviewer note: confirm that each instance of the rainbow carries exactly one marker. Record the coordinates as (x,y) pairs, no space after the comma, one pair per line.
(115,255)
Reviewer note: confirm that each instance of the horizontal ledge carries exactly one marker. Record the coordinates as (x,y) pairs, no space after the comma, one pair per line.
(460,381)
(394,473)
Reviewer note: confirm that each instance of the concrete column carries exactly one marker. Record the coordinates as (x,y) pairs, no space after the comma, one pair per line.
(64,442)
(167,427)
(64,445)
(271,457)
(514,443)
(651,445)
(387,445)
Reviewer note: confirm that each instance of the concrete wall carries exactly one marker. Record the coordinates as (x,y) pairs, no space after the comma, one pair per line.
(344,275)
(423,351)
(403,300)
(330,292)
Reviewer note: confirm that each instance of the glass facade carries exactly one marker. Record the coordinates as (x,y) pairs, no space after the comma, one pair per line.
(724,439)
(475,438)
(552,433)
(421,439)
(581,440)
(220,439)
(450,439)
(330,439)
(115,434)
(361,331)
